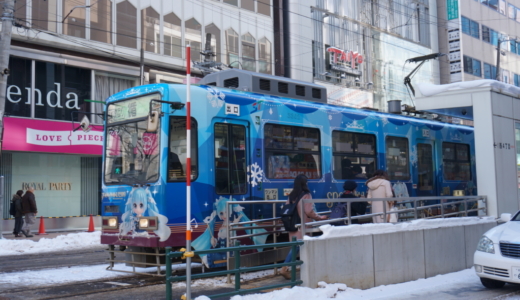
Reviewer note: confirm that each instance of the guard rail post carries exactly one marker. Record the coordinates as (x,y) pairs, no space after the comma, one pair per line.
(415,209)
(237,270)
(293,259)
(349,213)
(168,273)
(384,211)
(465,207)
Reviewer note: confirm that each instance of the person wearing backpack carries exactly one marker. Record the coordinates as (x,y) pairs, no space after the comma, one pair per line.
(339,210)
(16,211)
(299,192)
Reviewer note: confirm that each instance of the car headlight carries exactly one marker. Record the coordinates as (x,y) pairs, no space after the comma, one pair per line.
(109,222)
(148,223)
(486,245)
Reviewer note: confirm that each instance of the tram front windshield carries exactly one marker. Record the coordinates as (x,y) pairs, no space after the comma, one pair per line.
(131,153)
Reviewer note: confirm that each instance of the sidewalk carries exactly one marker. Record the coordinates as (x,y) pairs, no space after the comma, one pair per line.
(36,237)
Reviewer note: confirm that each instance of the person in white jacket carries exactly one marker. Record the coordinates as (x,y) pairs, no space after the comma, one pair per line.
(379,187)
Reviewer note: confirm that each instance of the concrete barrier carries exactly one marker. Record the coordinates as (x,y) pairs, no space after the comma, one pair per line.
(57,224)
(379,259)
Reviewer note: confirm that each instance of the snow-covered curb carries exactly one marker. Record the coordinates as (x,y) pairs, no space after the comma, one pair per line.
(66,242)
(330,231)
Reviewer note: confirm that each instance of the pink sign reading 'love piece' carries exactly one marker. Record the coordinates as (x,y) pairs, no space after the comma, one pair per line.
(51,136)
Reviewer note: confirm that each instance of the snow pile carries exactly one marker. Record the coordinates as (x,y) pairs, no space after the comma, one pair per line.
(330,231)
(71,241)
(428,89)
(340,291)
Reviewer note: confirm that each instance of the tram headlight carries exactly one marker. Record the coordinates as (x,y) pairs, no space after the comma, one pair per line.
(148,223)
(109,223)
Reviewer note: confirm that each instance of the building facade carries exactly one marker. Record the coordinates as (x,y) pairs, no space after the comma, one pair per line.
(358,49)
(470,33)
(68,56)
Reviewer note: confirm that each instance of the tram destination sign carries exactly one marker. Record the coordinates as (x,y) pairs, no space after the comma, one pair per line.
(134,108)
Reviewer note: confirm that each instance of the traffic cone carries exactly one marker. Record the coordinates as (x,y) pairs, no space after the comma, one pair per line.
(91,224)
(41,230)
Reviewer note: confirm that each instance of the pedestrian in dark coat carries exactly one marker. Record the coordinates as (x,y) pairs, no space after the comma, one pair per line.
(18,217)
(29,210)
(356,208)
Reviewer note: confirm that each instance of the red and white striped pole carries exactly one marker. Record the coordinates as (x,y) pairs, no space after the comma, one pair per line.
(188,171)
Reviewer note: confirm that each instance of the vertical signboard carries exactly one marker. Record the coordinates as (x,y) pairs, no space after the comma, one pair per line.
(452,9)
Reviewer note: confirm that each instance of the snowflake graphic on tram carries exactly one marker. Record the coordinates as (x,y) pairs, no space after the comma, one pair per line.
(248,144)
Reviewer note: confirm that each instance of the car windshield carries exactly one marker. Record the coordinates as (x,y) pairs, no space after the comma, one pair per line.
(132,154)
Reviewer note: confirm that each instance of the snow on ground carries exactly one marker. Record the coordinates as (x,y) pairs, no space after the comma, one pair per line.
(330,231)
(340,291)
(71,241)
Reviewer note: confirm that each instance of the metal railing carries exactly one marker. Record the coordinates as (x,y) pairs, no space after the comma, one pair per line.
(237,270)
(481,202)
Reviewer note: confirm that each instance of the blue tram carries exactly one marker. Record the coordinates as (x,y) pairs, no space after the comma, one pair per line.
(248,145)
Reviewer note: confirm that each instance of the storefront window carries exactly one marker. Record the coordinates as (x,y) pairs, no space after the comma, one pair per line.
(74,24)
(18,97)
(61,90)
(101,21)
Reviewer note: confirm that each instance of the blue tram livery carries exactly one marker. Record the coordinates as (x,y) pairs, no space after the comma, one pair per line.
(249,145)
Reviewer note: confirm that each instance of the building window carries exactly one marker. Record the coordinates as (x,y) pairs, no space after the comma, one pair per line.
(150,30)
(18,97)
(248,4)
(264,7)
(74,25)
(101,21)
(194,38)
(231,46)
(126,27)
(516,80)
(511,11)
(470,27)
(20,12)
(502,7)
(291,150)
(44,15)
(215,40)
(248,52)
(264,56)
(397,162)
(354,155)
(232,2)
(456,161)
(512,46)
(230,159)
(472,66)
(172,35)
(490,72)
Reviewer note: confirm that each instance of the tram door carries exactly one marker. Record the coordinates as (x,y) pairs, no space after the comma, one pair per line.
(231,158)
(426,183)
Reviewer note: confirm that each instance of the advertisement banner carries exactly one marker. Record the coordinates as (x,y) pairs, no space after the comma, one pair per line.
(33,135)
(452,7)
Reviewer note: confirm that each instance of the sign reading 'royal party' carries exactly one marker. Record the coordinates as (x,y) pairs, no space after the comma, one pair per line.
(51,136)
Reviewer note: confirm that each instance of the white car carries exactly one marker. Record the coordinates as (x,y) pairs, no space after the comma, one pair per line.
(497,259)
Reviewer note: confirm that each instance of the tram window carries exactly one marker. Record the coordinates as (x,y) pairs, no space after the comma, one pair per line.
(425,167)
(230,159)
(291,150)
(397,164)
(456,161)
(354,155)
(177,150)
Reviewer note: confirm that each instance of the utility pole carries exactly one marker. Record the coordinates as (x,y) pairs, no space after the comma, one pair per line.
(5,46)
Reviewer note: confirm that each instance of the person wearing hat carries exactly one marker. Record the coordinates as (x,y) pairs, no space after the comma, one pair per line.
(356,208)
